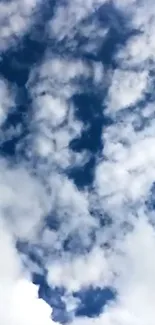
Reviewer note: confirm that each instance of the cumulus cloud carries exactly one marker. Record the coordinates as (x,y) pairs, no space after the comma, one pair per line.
(69,15)
(128,173)
(139,51)
(126,89)
(134,281)
(120,253)
(19,303)
(18,182)
(67,273)
(15,19)
(52,85)
(58,76)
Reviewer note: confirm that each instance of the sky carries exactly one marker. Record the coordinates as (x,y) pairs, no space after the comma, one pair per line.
(77,162)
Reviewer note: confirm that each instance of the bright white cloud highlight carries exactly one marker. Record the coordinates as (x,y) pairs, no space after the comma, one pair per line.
(126,89)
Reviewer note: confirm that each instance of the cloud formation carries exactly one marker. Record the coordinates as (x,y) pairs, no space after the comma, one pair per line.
(101,235)
(15,19)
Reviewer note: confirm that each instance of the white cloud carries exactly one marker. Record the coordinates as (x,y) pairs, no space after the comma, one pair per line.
(53,143)
(53,110)
(128,172)
(123,179)
(133,265)
(19,303)
(68,16)
(76,21)
(139,50)
(15,19)
(53,113)
(95,34)
(6,100)
(80,272)
(22,196)
(30,309)
(126,89)
(71,206)
(57,76)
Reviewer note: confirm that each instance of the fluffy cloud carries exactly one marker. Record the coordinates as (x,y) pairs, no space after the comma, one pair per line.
(126,89)
(128,173)
(120,254)
(15,19)
(69,15)
(56,125)
(134,282)
(67,273)
(18,182)
(19,303)
(139,51)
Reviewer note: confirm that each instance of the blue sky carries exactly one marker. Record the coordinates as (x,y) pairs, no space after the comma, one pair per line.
(77,162)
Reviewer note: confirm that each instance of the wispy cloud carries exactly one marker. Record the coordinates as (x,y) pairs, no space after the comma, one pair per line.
(7,100)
